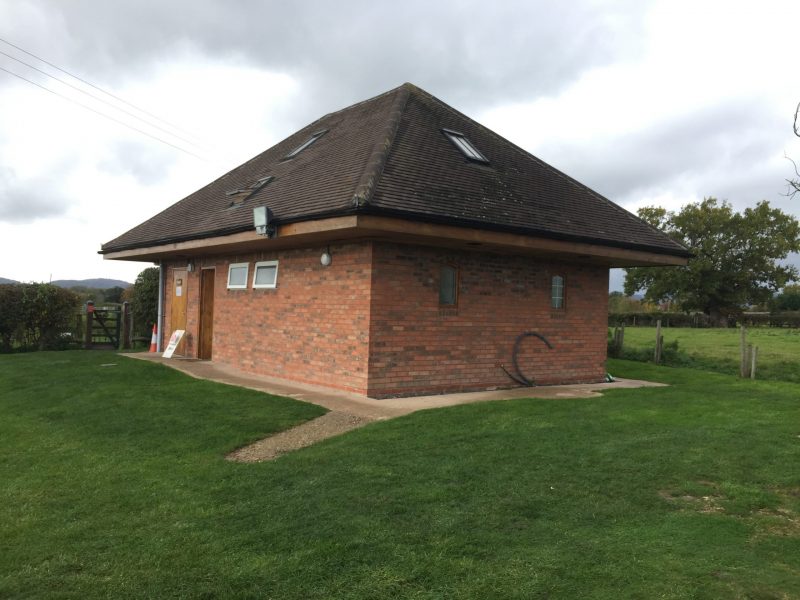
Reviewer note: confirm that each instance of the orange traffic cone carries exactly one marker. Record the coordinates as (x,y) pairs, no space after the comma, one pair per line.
(154,339)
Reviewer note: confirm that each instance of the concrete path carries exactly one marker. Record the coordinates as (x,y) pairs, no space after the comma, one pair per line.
(349,410)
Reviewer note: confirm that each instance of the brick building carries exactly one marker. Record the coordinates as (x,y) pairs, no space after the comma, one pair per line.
(407,249)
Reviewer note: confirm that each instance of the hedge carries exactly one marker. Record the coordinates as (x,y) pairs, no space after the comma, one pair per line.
(35,316)
(673,319)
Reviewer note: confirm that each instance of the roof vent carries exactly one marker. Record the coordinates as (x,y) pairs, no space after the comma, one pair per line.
(461,142)
(305,144)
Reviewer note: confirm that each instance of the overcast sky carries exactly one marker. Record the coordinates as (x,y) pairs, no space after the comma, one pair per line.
(649,103)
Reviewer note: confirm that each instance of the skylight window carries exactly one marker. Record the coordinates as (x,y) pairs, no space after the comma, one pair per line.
(306,144)
(461,142)
(242,194)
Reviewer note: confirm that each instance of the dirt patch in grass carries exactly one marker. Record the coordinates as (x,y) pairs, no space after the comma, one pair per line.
(702,504)
(778,520)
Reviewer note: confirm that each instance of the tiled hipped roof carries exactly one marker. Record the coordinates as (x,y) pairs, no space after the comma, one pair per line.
(389,156)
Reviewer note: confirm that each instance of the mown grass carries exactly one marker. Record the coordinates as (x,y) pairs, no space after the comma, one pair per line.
(114,485)
(718,349)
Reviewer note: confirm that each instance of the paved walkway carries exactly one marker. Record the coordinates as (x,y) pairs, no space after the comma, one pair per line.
(349,410)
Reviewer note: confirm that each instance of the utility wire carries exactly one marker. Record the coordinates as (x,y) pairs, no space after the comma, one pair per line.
(102,114)
(75,87)
(99,88)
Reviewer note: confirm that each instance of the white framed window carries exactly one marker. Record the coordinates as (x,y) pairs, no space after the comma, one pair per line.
(265,275)
(237,276)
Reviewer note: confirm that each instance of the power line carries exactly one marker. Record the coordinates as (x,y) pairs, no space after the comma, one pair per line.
(98,88)
(123,123)
(74,87)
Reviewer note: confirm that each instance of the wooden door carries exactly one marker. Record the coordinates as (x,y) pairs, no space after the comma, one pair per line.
(177,315)
(206,313)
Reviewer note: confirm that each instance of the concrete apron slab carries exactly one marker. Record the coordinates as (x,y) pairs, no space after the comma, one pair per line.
(349,410)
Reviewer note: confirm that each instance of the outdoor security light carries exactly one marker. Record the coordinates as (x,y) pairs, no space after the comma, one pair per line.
(262,216)
(325,259)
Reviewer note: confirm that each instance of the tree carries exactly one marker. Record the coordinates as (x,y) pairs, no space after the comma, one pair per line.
(620,303)
(789,299)
(735,257)
(113,295)
(144,300)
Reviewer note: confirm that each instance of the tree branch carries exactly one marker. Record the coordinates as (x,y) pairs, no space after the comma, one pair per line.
(793,185)
(796,124)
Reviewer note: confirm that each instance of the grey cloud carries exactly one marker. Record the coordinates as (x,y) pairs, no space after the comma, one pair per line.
(471,53)
(718,151)
(24,201)
(149,165)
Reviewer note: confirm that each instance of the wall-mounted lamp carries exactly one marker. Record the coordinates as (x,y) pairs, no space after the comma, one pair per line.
(262,221)
(325,259)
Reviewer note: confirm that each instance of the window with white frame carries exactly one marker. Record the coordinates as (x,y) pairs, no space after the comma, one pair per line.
(557,292)
(266,274)
(237,276)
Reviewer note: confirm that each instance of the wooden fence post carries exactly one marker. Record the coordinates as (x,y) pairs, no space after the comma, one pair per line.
(753,360)
(87,339)
(659,342)
(747,360)
(125,337)
(743,352)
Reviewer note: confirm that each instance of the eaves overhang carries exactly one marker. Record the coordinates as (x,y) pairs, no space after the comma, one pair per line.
(360,226)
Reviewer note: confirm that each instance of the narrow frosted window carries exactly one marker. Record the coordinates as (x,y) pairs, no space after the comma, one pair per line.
(448,284)
(557,292)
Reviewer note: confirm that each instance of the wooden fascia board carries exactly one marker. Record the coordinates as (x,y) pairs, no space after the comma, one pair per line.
(496,239)
(294,235)
(290,235)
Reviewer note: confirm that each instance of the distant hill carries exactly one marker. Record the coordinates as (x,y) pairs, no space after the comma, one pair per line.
(4,280)
(100,284)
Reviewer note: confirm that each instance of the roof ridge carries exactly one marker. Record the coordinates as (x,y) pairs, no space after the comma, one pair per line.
(360,102)
(547,166)
(380,152)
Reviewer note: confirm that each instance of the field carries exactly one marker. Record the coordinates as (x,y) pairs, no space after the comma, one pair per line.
(718,349)
(114,485)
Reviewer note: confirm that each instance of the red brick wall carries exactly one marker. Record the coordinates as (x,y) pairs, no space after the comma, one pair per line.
(371,321)
(313,327)
(417,347)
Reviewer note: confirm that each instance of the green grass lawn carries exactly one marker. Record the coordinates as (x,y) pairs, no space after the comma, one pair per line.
(113,484)
(718,349)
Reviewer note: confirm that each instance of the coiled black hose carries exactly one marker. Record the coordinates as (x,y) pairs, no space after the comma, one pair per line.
(520,377)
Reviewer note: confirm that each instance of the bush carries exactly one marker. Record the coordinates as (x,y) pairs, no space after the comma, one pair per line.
(35,316)
(668,319)
(144,301)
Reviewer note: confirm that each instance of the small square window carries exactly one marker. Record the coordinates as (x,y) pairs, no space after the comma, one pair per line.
(266,274)
(237,276)
(448,286)
(557,292)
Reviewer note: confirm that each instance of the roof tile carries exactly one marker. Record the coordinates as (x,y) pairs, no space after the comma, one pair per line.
(388,155)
